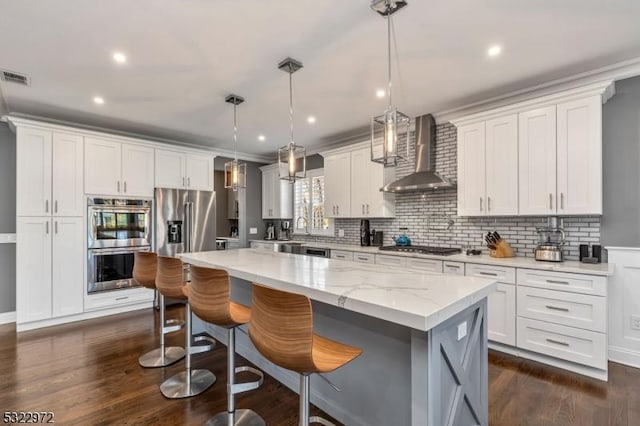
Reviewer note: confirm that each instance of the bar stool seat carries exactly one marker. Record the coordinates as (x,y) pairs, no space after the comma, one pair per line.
(281,328)
(209,296)
(144,272)
(191,382)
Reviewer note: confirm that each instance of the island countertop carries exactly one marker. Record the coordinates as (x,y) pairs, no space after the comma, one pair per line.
(414,299)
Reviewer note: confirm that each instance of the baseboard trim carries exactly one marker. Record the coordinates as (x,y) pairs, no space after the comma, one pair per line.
(7,317)
(624,356)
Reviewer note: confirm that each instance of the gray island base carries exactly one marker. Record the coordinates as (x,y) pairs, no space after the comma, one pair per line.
(406,376)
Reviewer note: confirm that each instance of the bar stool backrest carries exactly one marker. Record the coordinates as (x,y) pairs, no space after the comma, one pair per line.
(209,295)
(281,328)
(170,277)
(144,268)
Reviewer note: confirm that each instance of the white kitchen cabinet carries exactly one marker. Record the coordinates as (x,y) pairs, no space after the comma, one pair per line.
(537,161)
(33,269)
(453,268)
(337,187)
(367,178)
(49,267)
(579,156)
(49,173)
(501,311)
(277,194)
(67,274)
(342,255)
(471,170)
(179,170)
(488,167)
(137,170)
(119,169)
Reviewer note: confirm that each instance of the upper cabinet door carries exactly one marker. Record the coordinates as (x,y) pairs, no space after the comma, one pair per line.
(68,174)
(137,170)
(170,170)
(268,181)
(361,183)
(502,166)
(537,161)
(282,196)
(102,167)
(67,295)
(200,172)
(580,156)
(33,171)
(337,192)
(471,170)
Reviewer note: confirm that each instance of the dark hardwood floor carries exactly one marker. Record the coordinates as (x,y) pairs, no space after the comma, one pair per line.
(88,374)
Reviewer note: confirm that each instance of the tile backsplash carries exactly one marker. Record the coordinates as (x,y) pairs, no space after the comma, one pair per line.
(431,216)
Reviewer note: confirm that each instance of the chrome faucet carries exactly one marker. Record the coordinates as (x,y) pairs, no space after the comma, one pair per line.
(306,224)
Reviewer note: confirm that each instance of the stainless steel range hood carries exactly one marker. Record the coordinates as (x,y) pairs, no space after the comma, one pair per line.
(425,177)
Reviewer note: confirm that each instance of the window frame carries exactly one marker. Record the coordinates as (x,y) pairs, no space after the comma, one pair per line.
(330,231)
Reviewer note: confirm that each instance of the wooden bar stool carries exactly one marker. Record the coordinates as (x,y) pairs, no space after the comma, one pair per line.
(144,272)
(170,283)
(209,297)
(281,328)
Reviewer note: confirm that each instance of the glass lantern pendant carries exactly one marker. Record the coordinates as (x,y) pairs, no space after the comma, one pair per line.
(291,157)
(235,172)
(389,131)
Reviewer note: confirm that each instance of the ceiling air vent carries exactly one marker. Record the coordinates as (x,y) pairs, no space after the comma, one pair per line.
(14,77)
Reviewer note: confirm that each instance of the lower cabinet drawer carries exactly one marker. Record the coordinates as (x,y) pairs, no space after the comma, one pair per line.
(453,268)
(575,283)
(364,257)
(112,299)
(425,264)
(341,254)
(575,310)
(383,259)
(567,343)
(503,274)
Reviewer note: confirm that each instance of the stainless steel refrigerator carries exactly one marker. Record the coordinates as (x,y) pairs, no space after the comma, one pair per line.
(184,221)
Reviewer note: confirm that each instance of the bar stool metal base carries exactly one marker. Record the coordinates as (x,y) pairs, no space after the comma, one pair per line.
(179,386)
(153,359)
(238,418)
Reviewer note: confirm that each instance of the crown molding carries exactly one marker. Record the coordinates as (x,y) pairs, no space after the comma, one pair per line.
(15,120)
(611,73)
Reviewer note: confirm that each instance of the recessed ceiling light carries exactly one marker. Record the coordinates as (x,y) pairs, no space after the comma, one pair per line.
(311,119)
(99,100)
(261,138)
(380,93)
(119,57)
(494,51)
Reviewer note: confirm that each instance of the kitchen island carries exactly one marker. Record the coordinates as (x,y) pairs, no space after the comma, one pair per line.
(424,335)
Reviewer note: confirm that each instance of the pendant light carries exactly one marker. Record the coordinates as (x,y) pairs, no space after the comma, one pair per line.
(393,124)
(235,173)
(291,154)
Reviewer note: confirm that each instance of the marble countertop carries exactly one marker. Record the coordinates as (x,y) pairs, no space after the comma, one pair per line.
(413,299)
(572,266)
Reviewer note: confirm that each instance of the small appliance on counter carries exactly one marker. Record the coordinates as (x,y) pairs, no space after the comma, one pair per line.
(271,232)
(365,233)
(550,241)
(284,232)
(596,253)
(377,238)
(402,240)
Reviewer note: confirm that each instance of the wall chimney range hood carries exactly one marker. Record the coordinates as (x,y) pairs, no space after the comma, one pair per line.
(425,177)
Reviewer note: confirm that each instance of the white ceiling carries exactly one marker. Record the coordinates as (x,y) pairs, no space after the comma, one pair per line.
(186,56)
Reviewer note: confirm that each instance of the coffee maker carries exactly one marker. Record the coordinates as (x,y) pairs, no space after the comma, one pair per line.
(285,230)
(365,233)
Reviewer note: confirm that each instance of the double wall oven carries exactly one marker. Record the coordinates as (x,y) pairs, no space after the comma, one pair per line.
(117,228)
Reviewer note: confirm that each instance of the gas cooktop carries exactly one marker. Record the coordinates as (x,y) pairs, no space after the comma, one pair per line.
(440,251)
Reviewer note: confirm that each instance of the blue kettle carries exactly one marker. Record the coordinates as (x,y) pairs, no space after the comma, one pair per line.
(402,240)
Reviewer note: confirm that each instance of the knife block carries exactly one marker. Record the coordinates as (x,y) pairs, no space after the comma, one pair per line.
(503,249)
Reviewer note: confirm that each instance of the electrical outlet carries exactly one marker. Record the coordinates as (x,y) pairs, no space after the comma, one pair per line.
(635,322)
(253,231)
(340,232)
(462,330)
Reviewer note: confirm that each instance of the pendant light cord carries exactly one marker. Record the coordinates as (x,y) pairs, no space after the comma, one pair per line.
(291,102)
(389,48)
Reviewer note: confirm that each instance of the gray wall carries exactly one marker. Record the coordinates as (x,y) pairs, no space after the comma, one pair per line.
(621,165)
(222,223)
(250,205)
(7,218)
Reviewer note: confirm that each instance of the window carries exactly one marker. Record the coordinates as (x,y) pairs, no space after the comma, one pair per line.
(308,205)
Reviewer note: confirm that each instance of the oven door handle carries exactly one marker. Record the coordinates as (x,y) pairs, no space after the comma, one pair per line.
(119,250)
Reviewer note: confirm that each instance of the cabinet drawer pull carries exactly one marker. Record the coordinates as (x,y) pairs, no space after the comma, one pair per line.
(558,282)
(488,203)
(491,274)
(118,184)
(338,210)
(56,226)
(550,201)
(557,342)
(46,206)
(363,209)
(562,201)
(47,226)
(122,298)
(480,203)
(183,182)
(189,182)
(367,208)
(55,206)
(556,308)
(363,258)
(453,266)
(125,186)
